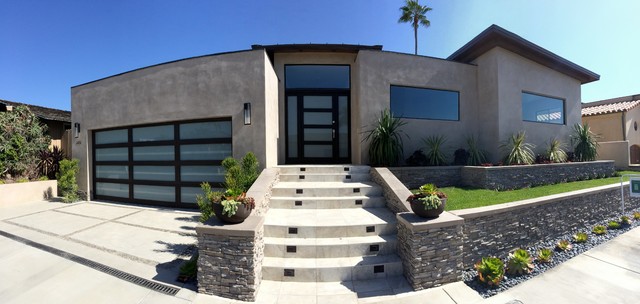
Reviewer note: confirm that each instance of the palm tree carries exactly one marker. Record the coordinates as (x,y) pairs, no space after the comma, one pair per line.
(414,13)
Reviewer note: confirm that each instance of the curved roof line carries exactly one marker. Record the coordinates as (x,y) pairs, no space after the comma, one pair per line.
(495,36)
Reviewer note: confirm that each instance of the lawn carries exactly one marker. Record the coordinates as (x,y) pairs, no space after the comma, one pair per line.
(462,198)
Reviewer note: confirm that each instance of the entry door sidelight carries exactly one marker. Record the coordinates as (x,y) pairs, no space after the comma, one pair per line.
(318,128)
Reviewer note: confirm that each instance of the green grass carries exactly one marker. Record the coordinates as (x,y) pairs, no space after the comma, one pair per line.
(462,198)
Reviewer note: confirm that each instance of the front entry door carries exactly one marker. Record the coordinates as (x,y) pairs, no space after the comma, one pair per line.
(318,128)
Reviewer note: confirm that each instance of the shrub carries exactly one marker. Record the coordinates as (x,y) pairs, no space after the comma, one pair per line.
(460,157)
(613,225)
(189,269)
(580,237)
(599,230)
(563,245)
(240,176)
(204,201)
(385,140)
(518,151)
(519,262)
(625,220)
(490,271)
(585,143)
(545,255)
(49,162)
(636,215)
(555,151)
(477,156)
(417,159)
(435,156)
(67,184)
(22,137)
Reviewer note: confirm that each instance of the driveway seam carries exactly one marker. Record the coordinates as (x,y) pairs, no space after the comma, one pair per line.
(612,264)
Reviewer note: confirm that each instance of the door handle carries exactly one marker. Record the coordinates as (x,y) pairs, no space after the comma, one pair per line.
(333,133)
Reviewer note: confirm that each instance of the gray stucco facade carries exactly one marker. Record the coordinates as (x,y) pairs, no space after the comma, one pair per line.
(488,76)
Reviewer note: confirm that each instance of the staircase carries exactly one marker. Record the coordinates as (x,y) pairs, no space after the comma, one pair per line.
(329,224)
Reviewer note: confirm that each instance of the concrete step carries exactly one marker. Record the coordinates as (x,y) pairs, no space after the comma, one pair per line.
(325,177)
(331,269)
(327,202)
(314,169)
(324,189)
(330,247)
(329,223)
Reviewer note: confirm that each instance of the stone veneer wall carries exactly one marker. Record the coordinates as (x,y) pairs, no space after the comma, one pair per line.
(516,177)
(394,191)
(230,261)
(496,230)
(261,189)
(431,250)
(414,177)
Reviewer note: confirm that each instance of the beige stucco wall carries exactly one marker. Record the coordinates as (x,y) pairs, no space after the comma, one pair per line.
(505,75)
(196,88)
(618,151)
(282,59)
(377,71)
(607,126)
(633,135)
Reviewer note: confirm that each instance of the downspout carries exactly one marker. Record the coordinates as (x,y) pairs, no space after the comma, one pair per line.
(624,125)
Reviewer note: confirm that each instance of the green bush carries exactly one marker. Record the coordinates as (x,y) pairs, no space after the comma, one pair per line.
(22,137)
(585,143)
(435,156)
(67,184)
(204,201)
(519,152)
(240,176)
(555,151)
(477,156)
(385,140)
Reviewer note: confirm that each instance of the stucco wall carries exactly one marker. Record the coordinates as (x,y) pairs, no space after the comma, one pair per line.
(505,75)
(633,135)
(618,151)
(196,88)
(607,126)
(377,71)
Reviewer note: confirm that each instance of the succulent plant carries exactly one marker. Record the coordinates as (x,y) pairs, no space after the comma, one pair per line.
(599,229)
(614,225)
(519,262)
(490,271)
(580,237)
(545,255)
(636,215)
(564,245)
(625,220)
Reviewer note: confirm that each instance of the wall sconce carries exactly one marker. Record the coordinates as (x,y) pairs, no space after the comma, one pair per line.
(76,130)
(247,113)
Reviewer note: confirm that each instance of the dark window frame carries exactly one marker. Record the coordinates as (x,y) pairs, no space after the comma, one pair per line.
(177,163)
(430,89)
(564,108)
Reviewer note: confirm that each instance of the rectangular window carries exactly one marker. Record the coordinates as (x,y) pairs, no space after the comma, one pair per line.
(419,103)
(317,77)
(543,109)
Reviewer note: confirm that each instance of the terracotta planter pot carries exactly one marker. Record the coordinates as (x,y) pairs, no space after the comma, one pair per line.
(242,213)
(418,208)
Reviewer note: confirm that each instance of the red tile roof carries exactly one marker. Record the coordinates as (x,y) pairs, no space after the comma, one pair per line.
(621,104)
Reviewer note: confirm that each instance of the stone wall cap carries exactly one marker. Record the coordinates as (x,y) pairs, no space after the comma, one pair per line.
(247,228)
(507,207)
(537,165)
(416,223)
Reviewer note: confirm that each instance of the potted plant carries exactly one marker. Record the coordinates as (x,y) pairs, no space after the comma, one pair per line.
(428,201)
(235,207)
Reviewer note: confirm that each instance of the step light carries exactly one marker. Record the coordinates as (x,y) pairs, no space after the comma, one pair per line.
(303,169)
(348,177)
(298,203)
(301,176)
(371,228)
(356,190)
(291,249)
(374,248)
(293,230)
(299,191)
(346,169)
(378,269)
(289,272)
(358,202)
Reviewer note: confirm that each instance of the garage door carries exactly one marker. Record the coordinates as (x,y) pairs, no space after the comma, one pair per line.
(160,164)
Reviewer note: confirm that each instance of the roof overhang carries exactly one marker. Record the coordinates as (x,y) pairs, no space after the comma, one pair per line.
(294,48)
(495,36)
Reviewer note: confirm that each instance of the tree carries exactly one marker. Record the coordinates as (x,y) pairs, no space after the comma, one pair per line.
(22,137)
(414,13)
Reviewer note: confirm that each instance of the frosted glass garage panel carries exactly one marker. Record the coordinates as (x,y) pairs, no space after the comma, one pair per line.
(154,173)
(155,133)
(112,154)
(202,174)
(111,137)
(154,193)
(154,153)
(112,172)
(210,129)
(205,152)
(110,189)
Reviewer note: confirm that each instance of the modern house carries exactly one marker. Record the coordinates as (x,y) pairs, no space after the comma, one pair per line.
(57,121)
(615,122)
(152,135)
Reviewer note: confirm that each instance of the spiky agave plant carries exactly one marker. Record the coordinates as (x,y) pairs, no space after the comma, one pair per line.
(434,145)
(599,230)
(555,151)
(477,156)
(580,237)
(519,262)
(585,143)
(385,140)
(519,152)
(545,255)
(490,270)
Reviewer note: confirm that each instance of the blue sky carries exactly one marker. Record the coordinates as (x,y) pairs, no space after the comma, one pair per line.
(49,46)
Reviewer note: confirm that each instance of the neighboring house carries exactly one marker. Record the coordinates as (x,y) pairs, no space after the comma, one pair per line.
(615,122)
(153,134)
(57,121)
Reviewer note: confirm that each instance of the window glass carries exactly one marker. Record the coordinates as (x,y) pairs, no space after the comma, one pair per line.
(202,174)
(111,137)
(408,102)
(113,172)
(112,154)
(209,129)
(110,189)
(292,128)
(317,76)
(153,153)
(153,133)
(205,152)
(154,193)
(188,194)
(155,173)
(543,109)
